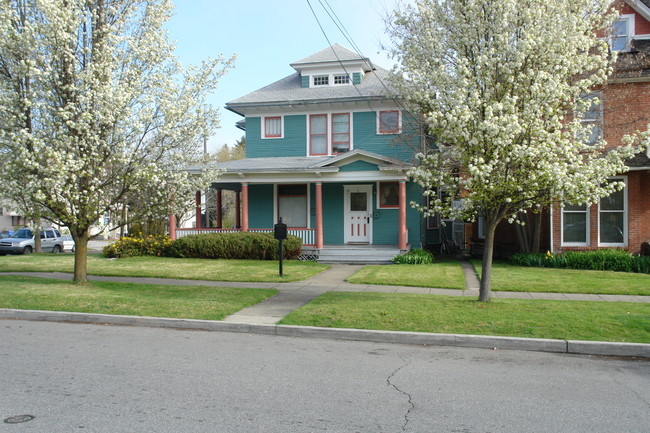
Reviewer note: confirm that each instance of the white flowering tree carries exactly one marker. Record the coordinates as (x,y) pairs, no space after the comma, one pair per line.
(502,85)
(94,107)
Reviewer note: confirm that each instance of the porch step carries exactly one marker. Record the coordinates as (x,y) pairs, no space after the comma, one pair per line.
(358,255)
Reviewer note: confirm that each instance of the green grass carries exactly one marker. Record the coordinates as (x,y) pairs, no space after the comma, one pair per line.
(189,302)
(444,274)
(164,267)
(512,278)
(579,320)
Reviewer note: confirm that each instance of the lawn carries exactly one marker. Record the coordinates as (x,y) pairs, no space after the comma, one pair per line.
(443,274)
(164,267)
(189,302)
(512,278)
(579,320)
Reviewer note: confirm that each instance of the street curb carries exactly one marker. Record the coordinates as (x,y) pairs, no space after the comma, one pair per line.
(600,348)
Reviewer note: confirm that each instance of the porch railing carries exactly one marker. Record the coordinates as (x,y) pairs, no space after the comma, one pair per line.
(308,236)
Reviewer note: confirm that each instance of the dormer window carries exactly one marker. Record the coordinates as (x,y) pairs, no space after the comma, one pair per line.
(622,32)
(321,80)
(341,79)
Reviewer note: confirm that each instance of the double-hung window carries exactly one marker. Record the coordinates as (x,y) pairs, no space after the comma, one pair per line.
(292,205)
(273,127)
(621,35)
(389,122)
(318,134)
(340,133)
(593,117)
(612,218)
(330,134)
(575,225)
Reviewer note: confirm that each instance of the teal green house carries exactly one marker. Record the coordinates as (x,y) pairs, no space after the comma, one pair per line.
(328,149)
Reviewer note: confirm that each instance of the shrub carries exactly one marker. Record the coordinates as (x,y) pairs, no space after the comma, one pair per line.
(645,249)
(598,260)
(241,245)
(416,256)
(131,246)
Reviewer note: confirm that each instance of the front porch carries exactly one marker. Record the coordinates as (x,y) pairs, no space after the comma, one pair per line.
(346,253)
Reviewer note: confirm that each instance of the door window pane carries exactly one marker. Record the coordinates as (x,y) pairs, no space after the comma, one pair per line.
(359,201)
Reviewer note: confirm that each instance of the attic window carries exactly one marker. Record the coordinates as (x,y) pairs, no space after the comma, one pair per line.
(321,80)
(622,31)
(341,79)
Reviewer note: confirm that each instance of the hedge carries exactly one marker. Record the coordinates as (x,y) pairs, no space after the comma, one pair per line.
(599,260)
(240,245)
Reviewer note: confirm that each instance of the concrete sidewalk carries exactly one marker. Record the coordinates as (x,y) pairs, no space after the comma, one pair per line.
(296,294)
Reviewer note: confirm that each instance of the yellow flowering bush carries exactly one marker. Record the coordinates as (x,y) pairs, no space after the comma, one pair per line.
(143,245)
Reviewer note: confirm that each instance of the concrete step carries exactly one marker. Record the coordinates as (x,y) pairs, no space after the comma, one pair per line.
(357,255)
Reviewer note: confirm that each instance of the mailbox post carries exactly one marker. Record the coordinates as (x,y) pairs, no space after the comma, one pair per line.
(280,233)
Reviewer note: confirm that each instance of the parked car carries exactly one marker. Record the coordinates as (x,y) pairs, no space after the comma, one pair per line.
(68,243)
(22,242)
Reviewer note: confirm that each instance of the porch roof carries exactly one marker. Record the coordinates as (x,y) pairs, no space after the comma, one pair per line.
(313,166)
(308,163)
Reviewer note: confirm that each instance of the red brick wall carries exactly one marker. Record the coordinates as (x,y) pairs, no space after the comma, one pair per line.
(641,26)
(638,216)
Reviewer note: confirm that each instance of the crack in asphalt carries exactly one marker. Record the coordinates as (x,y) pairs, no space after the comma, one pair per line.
(632,390)
(410,401)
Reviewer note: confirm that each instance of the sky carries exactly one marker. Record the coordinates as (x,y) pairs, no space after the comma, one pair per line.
(267,36)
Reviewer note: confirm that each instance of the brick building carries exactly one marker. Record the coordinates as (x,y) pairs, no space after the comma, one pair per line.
(621,220)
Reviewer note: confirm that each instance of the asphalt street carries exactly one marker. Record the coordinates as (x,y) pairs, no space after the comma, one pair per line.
(93,378)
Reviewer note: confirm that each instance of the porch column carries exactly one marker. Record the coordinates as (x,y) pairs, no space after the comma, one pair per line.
(218,208)
(237,209)
(402,215)
(244,207)
(319,215)
(198,209)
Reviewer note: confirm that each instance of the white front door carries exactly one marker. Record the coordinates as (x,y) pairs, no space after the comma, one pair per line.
(358,214)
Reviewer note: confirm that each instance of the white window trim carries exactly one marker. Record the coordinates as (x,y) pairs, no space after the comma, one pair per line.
(329,131)
(587,229)
(399,120)
(481,227)
(630,18)
(313,80)
(263,127)
(625,217)
(601,116)
(333,81)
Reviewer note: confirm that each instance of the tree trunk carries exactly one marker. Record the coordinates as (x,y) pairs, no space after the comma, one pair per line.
(488,251)
(37,237)
(80,256)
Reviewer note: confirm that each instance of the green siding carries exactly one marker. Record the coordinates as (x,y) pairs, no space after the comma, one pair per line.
(293,143)
(260,206)
(399,146)
(305,81)
(359,166)
(333,213)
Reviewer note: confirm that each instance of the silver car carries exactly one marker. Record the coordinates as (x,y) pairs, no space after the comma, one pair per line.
(22,242)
